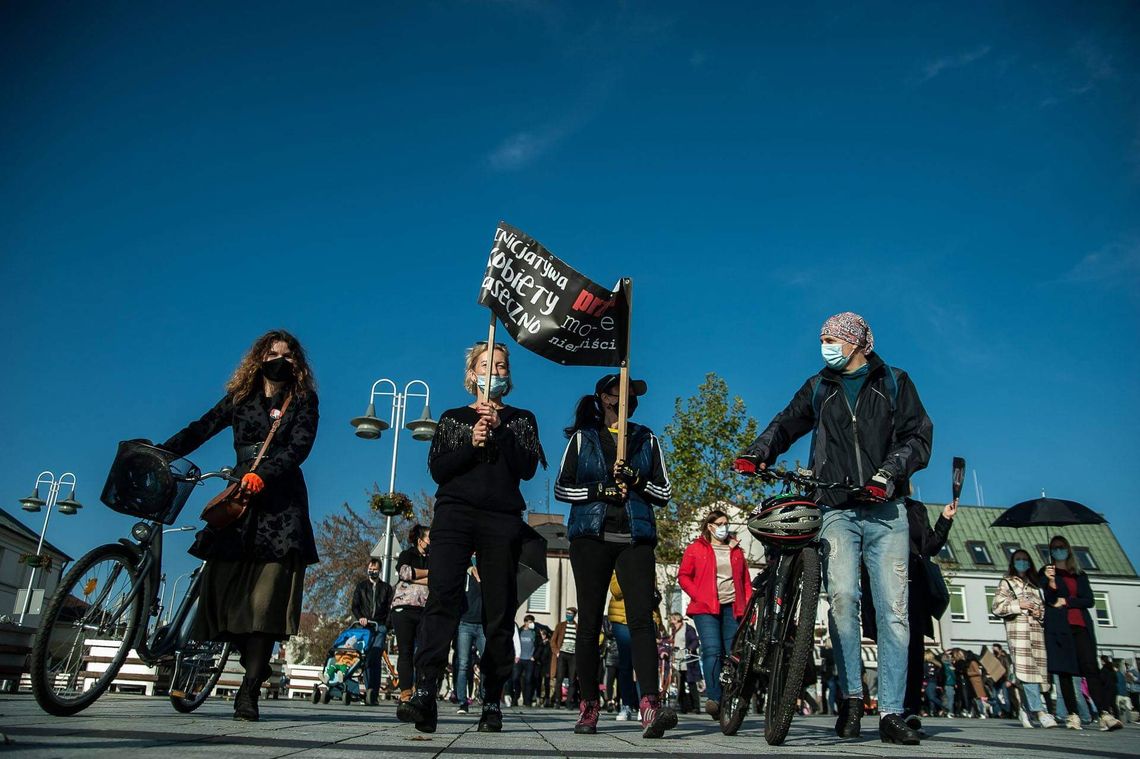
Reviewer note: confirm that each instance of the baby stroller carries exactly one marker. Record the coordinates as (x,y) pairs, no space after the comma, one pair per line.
(343,674)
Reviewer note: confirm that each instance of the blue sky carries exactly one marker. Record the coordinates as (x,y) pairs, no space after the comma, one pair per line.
(177,180)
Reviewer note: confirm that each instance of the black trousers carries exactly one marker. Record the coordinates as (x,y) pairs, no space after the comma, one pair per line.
(1090,670)
(407,621)
(256,650)
(457,531)
(594,562)
(915,663)
(568,668)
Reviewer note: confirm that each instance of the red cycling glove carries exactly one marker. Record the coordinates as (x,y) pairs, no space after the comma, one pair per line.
(252,483)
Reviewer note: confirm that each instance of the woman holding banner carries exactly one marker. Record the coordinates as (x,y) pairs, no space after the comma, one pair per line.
(612,528)
(479,455)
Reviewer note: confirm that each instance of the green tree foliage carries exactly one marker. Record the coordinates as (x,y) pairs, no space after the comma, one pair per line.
(345,540)
(708,430)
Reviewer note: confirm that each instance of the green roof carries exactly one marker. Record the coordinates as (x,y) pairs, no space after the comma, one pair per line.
(973,524)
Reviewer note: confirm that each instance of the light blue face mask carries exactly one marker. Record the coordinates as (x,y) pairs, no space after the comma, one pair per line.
(833,355)
(1059,554)
(1021,565)
(498,384)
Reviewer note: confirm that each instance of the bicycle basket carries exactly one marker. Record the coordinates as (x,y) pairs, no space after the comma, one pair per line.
(148,482)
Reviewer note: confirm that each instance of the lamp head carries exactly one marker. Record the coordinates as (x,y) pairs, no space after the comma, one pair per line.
(33,502)
(69,505)
(424,427)
(369,426)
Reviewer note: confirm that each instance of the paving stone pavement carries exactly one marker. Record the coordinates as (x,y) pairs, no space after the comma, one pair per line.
(121,724)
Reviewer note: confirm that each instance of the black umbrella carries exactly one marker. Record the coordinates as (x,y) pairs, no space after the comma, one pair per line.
(532,563)
(1047,512)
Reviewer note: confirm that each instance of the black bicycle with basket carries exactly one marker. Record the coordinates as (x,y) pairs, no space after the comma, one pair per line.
(772,646)
(96,615)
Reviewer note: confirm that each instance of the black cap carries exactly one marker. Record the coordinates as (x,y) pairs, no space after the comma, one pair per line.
(636,386)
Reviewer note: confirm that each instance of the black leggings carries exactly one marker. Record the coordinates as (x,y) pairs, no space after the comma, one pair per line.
(256,649)
(594,562)
(406,621)
(1086,660)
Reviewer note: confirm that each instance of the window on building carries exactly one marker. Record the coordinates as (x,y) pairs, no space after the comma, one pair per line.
(991,591)
(539,600)
(1085,558)
(1043,554)
(958,603)
(978,552)
(947,554)
(1008,549)
(1102,612)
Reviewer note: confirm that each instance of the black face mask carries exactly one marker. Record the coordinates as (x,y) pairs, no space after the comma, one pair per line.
(277,370)
(630,407)
(373,574)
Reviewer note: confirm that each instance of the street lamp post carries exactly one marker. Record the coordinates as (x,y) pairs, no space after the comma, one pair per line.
(34,503)
(370,426)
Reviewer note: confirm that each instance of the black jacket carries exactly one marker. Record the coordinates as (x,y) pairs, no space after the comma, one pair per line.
(276,526)
(372,601)
(853,444)
(924,543)
(1060,648)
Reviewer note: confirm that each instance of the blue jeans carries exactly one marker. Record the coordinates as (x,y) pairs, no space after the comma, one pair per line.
(466,634)
(1062,710)
(373,663)
(934,702)
(1033,701)
(716,632)
(877,535)
(626,688)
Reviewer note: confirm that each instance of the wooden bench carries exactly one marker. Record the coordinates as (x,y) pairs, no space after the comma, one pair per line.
(233,674)
(133,675)
(302,679)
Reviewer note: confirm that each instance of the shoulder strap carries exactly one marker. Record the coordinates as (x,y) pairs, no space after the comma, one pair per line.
(272,432)
(892,386)
(815,400)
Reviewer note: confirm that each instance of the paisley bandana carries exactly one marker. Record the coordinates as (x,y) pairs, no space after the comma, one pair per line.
(851,328)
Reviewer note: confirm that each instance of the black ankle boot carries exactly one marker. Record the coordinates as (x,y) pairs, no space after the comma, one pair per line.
(491,720)
(850,713)
(892,729)
(423,709)
(245,702)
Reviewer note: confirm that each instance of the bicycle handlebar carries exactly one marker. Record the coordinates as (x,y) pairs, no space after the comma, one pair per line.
(225,473)
(800,479)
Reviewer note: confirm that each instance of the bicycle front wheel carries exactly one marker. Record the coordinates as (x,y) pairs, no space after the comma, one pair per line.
(739,676)
(197,668)
(790,655)
(88,628)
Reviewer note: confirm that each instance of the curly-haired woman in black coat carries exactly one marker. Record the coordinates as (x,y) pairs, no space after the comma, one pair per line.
(255,568)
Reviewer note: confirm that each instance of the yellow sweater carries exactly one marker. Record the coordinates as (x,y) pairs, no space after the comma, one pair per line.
(617,602)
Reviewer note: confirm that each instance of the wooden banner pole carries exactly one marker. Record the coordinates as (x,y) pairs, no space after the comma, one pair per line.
(486,391)
(623,385)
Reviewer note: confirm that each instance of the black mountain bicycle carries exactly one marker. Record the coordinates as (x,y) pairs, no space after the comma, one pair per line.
(774,641)
(97,613)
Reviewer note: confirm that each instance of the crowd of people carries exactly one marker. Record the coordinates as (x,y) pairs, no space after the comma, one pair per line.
(453,606)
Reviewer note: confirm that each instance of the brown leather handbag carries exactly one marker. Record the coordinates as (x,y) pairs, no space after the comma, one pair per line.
(230,505)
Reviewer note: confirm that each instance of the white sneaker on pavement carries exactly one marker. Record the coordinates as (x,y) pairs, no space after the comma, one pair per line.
(1025,719)
(623,714)
(1073,722)
(1046,719)
(1108,722)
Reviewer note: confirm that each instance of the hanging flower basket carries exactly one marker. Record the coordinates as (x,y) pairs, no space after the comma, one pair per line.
(41,561)
(392,504)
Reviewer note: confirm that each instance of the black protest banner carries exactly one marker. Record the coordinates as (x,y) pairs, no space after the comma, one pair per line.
(549,308)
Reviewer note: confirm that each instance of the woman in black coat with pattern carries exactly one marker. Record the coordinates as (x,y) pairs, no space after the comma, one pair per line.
(255,568)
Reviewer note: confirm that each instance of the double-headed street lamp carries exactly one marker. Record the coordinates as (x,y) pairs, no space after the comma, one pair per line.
(34,503)
(370,426)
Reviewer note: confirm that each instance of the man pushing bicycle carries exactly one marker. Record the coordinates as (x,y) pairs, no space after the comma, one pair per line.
(869,429)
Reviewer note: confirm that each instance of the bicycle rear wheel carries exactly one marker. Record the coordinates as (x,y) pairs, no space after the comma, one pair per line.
(790,656)
(739,676)
(97,605)
(197,668)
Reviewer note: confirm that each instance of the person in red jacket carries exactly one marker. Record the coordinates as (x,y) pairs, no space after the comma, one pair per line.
(714,574)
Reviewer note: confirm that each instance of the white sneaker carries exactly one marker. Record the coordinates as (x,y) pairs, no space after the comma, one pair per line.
(1073,722)
(1046,720)
(1108,722)
(506,700)
(1025,719)
(623,714)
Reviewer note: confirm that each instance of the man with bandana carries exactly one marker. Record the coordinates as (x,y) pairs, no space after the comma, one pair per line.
(870,431)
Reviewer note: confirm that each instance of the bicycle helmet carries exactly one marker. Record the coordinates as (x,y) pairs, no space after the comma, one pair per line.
(786,520)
